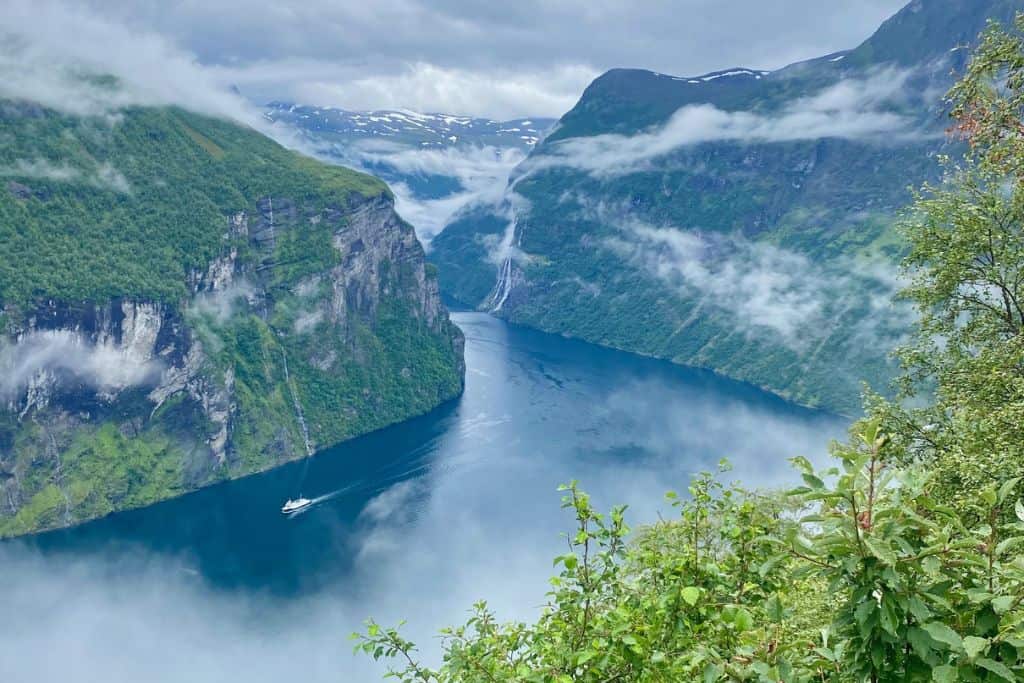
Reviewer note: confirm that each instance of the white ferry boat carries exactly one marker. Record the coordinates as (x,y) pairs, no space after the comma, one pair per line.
(296,505)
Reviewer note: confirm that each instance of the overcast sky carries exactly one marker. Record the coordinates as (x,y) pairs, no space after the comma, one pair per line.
(498,59)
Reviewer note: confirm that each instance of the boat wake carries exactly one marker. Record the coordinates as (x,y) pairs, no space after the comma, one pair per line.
(387,479)
(305,504)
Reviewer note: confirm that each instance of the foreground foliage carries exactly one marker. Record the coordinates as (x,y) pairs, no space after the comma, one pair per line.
(859,575)
(900,562)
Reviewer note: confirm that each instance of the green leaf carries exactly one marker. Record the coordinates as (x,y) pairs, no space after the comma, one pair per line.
(1002,604)
(974,646)
(712,672)
(920,641)
(690,594)
(1007,488)
(803,542)
(944,634)
(944,674)
(569,560)
(1019,509)
(773,609)
(802,464)
(864,610)
(1008,544)
(919,609)
(813,481)
(997,668)
(989,495)
(770,564)
(879,550)
(744,620)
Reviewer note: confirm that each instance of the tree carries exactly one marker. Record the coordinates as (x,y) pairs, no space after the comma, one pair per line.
(966,266)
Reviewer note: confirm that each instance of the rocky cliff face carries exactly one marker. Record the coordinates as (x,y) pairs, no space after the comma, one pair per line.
(314,322)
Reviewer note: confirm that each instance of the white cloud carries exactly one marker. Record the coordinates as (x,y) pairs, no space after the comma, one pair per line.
(370,53)
(531,58)
(308,320)
(56,54)
(762,286)
(104,176)
(502,93)
(41,169)
(222,303)
(481,172)
(501,249)
(103,366)
(852,108)
(109,177)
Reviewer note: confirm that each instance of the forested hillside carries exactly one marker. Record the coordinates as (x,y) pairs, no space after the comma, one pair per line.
(740,221)
(182,300)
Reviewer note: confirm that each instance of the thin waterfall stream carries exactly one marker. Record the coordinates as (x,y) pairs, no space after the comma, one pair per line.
(298,406)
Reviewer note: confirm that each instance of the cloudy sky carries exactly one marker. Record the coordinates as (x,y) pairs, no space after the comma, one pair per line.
(530,57)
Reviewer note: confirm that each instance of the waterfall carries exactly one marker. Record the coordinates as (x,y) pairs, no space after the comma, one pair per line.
(58,479)
(509,243)
(298,406)
(503,287)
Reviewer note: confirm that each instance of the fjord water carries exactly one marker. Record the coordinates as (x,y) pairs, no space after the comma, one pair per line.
(416,521)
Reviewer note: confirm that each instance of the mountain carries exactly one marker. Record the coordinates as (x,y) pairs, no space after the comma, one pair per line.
(741,220)
(435,163)
(184,301)
(408,127)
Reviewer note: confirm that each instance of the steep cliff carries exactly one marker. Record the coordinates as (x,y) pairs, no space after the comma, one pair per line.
(740,220)
(185,301)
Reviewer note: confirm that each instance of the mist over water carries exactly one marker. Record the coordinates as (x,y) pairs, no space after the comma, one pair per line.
(415,522)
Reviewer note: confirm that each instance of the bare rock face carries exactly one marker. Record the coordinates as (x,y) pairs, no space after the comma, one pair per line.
(204,389)
(375,235)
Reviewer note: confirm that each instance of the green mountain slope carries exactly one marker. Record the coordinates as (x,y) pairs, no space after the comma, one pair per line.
(182,300)
(740,220)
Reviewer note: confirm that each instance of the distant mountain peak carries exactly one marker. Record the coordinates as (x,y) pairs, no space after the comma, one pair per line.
(926,29)
(737,72)
(428,130)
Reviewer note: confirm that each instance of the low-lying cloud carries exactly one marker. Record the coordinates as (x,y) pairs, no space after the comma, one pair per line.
(222,303)
(105,176)
(852,108)
(764,287)
(481,173)
(103,366)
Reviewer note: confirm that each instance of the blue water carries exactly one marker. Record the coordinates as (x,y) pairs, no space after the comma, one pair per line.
(415,521)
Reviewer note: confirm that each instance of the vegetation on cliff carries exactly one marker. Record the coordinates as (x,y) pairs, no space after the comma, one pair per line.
(95,208)
(292,310)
